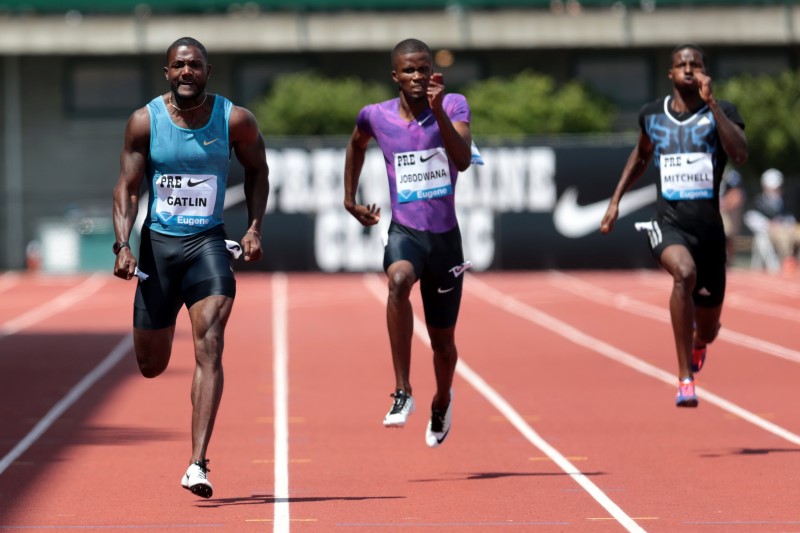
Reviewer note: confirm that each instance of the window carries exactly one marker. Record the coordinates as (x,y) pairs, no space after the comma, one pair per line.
(101,90)
(624,80)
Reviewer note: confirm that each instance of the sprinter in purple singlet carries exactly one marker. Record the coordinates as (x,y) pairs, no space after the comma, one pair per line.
(425,138)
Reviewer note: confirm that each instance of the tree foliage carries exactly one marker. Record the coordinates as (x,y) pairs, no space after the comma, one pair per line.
(307,103)
(533,104)
(769,106)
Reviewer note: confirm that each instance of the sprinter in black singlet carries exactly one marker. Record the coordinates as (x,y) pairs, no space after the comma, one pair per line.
(690,136)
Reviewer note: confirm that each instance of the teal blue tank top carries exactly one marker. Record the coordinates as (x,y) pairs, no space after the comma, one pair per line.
(187,170)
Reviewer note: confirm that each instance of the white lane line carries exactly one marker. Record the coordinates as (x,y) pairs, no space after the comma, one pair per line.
(121,349)
(745,303)
(740,298)
(594,344)
(280,358)
(88,287)
(607,298)
(499,403)
(782,286)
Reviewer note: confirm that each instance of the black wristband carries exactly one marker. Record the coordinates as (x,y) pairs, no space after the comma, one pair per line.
(119,245)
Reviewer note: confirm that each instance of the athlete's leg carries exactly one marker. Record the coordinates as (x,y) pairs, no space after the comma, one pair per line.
(157,301)
(706,324)
(153,348)
(445,357)
(677,260)
(209,317)
(400,321)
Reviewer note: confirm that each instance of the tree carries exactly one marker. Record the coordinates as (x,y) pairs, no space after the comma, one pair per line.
(769,106)
(532,104)
(307,103)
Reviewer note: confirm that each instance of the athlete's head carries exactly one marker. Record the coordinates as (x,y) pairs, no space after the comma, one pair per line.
(692,46)
(412,67)
(188,41)
(409,46)
(687,60)
(187,68)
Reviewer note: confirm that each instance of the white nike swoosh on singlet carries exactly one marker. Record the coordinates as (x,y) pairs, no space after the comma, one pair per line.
(573,220)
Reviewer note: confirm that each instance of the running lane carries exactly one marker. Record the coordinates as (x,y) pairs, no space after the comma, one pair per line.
(563,414)
(115,456)
(600,377)
(349,473)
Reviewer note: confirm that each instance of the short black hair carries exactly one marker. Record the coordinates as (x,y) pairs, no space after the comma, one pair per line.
(188,41)
(695,47)
(410,46)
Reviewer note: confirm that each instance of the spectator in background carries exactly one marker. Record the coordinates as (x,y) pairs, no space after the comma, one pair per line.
(784,232)
(732,198)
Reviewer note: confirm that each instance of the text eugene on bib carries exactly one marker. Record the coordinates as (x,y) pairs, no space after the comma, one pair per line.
(422,175)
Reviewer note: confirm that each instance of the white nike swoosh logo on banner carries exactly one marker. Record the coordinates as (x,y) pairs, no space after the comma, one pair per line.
(573,220)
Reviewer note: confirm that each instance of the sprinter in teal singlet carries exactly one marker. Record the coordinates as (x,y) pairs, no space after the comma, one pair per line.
(180,143)
(689,136)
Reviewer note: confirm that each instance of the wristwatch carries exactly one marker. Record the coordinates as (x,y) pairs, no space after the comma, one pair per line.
(119,245)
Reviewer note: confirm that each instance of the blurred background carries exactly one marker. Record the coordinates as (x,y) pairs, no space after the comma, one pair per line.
(555,88)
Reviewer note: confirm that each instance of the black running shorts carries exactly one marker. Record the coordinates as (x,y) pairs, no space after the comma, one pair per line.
(181,270)
(710,258)
(438,261)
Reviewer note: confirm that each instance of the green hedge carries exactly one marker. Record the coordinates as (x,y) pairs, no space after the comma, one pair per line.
(770,107)
(527,104)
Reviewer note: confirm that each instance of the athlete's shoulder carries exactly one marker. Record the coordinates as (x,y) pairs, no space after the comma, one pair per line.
(387,106)
(649,109)
(730,110)
(371,113)
(139,121)
(455,100)
(457,107)
(728,107)
(653,107)
(157,101)
(455,97)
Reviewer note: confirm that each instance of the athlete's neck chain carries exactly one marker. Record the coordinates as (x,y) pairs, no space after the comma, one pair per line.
(188,108)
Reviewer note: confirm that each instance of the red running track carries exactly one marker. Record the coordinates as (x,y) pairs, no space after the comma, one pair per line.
(564,416)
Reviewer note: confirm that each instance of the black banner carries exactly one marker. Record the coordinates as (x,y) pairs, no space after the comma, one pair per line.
(529,207)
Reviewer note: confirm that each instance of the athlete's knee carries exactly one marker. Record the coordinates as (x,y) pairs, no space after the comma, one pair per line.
(684,276)
(442,342)
(209,347)
(400,283)
(444,349)
(153,349)
(151,366)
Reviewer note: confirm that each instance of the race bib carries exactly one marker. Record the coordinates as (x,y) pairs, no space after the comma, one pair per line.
(422,175)
(185,199)
(687,176)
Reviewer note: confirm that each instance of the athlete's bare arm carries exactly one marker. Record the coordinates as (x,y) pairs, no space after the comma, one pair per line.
(248,144)
(731,134)
(367,215)
(637,163)
(457,136)
(132,162)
